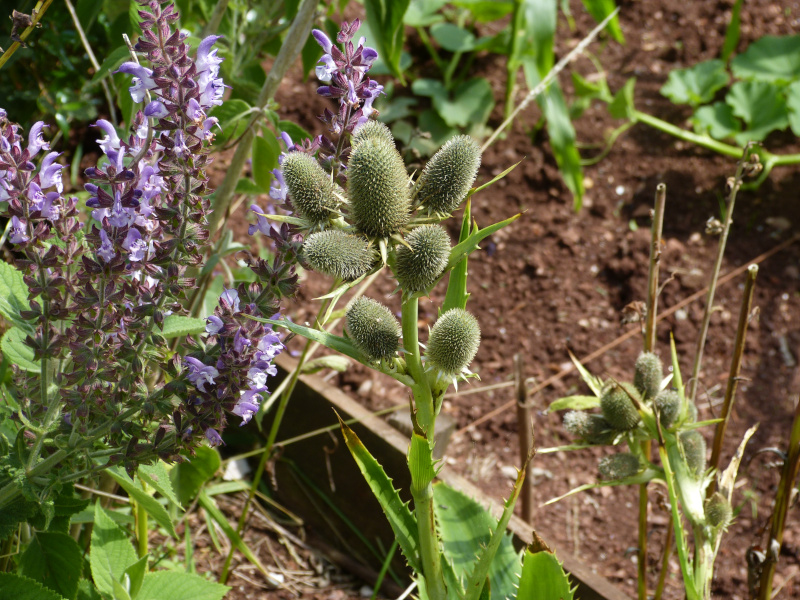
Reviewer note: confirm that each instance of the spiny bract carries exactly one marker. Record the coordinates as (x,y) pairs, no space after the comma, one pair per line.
(648,374)
(619,466)
(339,254)
(372,130)
(449,175)
(668,405)
(453,341)
(694,448)
(373,328)
(617,407)
(377,185)
(419,266)
(310,188)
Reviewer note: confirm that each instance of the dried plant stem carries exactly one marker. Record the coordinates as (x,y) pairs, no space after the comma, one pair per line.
(712,287)
(782,500)
(525,427)
(295,40)
(36,16)
(736,366)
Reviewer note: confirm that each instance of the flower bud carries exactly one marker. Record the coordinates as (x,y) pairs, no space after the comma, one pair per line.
(590,427)
(668,405)
(449,175)
(339,254)
(310,187)
(619,466)
(372,130)
(718,511)
(373,328)
(648,374)
(618,408)
(694,448)
(418,267)
(377,184)
(453,341)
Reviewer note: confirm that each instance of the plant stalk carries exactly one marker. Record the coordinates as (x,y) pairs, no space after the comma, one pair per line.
(525,427)
(36,16)
(423,398)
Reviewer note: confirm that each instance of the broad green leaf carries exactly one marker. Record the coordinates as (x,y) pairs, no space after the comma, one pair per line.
(143,499)
(17,352)
(246,186)
(157,477)
(265,158)
(716,120)
(17,587)
(453,38)
(423,13)
(793,104)
(543,577)
(112,552)
(762,107)
(574,403)
(13,295)
(294,131)
(179,326)
(430,88)
(53,559)
(472,103)
(600,9)
(621,106)
(431,122)
(188,477)
(121,590)
(87,591)
(770,58)
(485,11)
(397,108)
(385,18)
(457,295)
(465,528)
(232,115)
(178,585)
(335,362)
(136,573)
(696,85)
(397,512)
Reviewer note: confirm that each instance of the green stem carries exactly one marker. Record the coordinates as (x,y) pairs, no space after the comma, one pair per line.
(141,530)
(423,398)
(429,543)
(37,14)
(687,136)
(426,41)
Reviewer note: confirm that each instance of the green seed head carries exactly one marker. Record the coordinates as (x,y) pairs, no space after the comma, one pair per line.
(449,175)
(668,405)
(590,427)
(619,466)
(310,188)
(648,374)
(718,511)
(338,254)
(372,130)
(373,328)
(694,448)
(618,408)
(453,341)
(377,184)
(418,267)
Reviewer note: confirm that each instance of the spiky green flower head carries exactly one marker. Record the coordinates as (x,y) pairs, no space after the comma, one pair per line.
(718,511)
(694,448)
(453,341)
(426,256)
(372,130)
(648,373)
(619,466)
(449,175)
(339,254)
(377,185)
(373,328)
(618,408)
(668,405)
(590,427)
(310,188)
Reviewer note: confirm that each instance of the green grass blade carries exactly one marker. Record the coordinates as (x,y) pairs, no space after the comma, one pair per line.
(600,9)
(732,32)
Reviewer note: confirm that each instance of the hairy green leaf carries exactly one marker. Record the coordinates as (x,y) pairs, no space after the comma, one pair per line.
(157,477)
(112,552)
(770,58)
(179,326)
(13,296)
(23,588)
(178,585)
(17,352)
(762,107)
(143,499)
(696,85)
(53,559)
(716,120)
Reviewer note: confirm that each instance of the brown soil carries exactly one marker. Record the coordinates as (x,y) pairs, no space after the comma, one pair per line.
(558,280)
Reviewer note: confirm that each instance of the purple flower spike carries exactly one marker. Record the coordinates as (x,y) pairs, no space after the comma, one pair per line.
(142,80)
(213,437)
(35,140)
(156,110)
(200,374)
(230,298)
(214,325)
(18,233)
(323,40)
(111,140)
(50,174)
(207,58)
(247,405)
(106,251)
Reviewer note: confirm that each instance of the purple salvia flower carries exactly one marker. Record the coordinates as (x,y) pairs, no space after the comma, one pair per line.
(323,40)
(35,140)
(278,189)
(247,405)
(180,147)
(142,80)
(213,437)
(50,173)
(111,141)
(50,210)
(214,325)
(326,70)
(106,251)
(155,110)
(262,224)
(200,374)
(240,342)
(230,298)
(135,245)
(18,233)
(36,197)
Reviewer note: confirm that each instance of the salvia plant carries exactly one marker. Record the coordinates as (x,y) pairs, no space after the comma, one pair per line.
(360,212)
(95,302)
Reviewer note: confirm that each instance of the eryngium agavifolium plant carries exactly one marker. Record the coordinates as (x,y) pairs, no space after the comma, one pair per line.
(97,382)
(384,219)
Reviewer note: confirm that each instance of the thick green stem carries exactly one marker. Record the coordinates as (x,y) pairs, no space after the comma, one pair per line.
(423,398)
(687,136)
(429,543)
(141,530)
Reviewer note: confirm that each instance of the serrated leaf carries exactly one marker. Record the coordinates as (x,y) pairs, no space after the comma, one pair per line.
(17,352)
(180,326)
(178,585)
(770,58)
(453,38)
(397,512)
(53,559)
(696,85)
(111,553)
(13,296)
(143,499)
(761,106)
(574,403)
(465,528)
(420,463)
(469,245)
(157,477)
(265,158)
(543,577)
(136,573)
(188,477)
(22,588)
(716,120)
(793,104)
